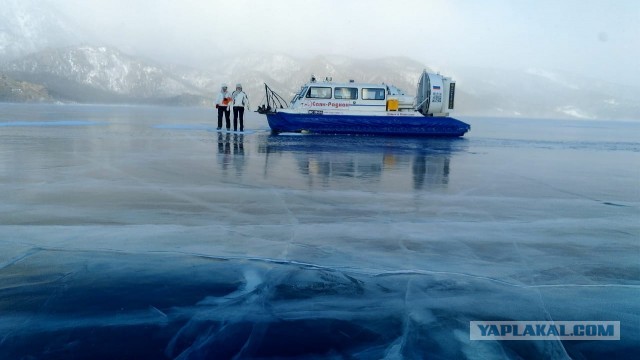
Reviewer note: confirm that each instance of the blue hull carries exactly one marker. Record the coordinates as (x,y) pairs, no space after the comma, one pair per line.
(366,124)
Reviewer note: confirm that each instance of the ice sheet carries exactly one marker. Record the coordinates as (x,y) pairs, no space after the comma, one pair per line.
(151,236)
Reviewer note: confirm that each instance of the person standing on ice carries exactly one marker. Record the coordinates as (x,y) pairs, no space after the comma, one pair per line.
(223,103)
(240,100)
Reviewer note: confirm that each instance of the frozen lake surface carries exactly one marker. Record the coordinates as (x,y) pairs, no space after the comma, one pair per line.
(138,232)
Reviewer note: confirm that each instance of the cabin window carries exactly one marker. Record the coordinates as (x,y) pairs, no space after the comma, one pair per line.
(346,93)
(316,92)
(373,94)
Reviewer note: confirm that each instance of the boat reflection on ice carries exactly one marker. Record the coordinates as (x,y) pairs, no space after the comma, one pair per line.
(390,162)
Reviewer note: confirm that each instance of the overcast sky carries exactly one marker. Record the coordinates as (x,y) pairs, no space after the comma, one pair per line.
(586,37)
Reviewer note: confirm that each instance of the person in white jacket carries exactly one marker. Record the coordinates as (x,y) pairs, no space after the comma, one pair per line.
(223,104)
(240,100)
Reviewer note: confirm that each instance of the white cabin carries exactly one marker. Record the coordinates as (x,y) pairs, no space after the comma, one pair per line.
(348,97)
(341,98)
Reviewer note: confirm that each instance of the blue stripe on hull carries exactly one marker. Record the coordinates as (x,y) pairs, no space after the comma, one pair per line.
(359,124)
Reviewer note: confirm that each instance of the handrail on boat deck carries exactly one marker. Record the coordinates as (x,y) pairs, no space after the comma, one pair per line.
(271,102)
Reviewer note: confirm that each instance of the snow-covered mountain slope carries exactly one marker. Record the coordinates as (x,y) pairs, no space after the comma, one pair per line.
(27,26)
(104,70)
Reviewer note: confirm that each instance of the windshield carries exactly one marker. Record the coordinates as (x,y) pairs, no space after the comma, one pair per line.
(299,95)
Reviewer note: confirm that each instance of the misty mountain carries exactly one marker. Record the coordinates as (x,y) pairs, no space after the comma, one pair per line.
(100,74)
(27,26)
(41,60)
(542,93)
(103,74)
(285,74)
(92,74)
(479,91)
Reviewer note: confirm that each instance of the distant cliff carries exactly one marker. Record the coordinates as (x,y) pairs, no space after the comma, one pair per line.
(22,91)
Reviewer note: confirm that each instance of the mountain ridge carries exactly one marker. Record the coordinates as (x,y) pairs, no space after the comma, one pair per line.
(29,26)
(101,74)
